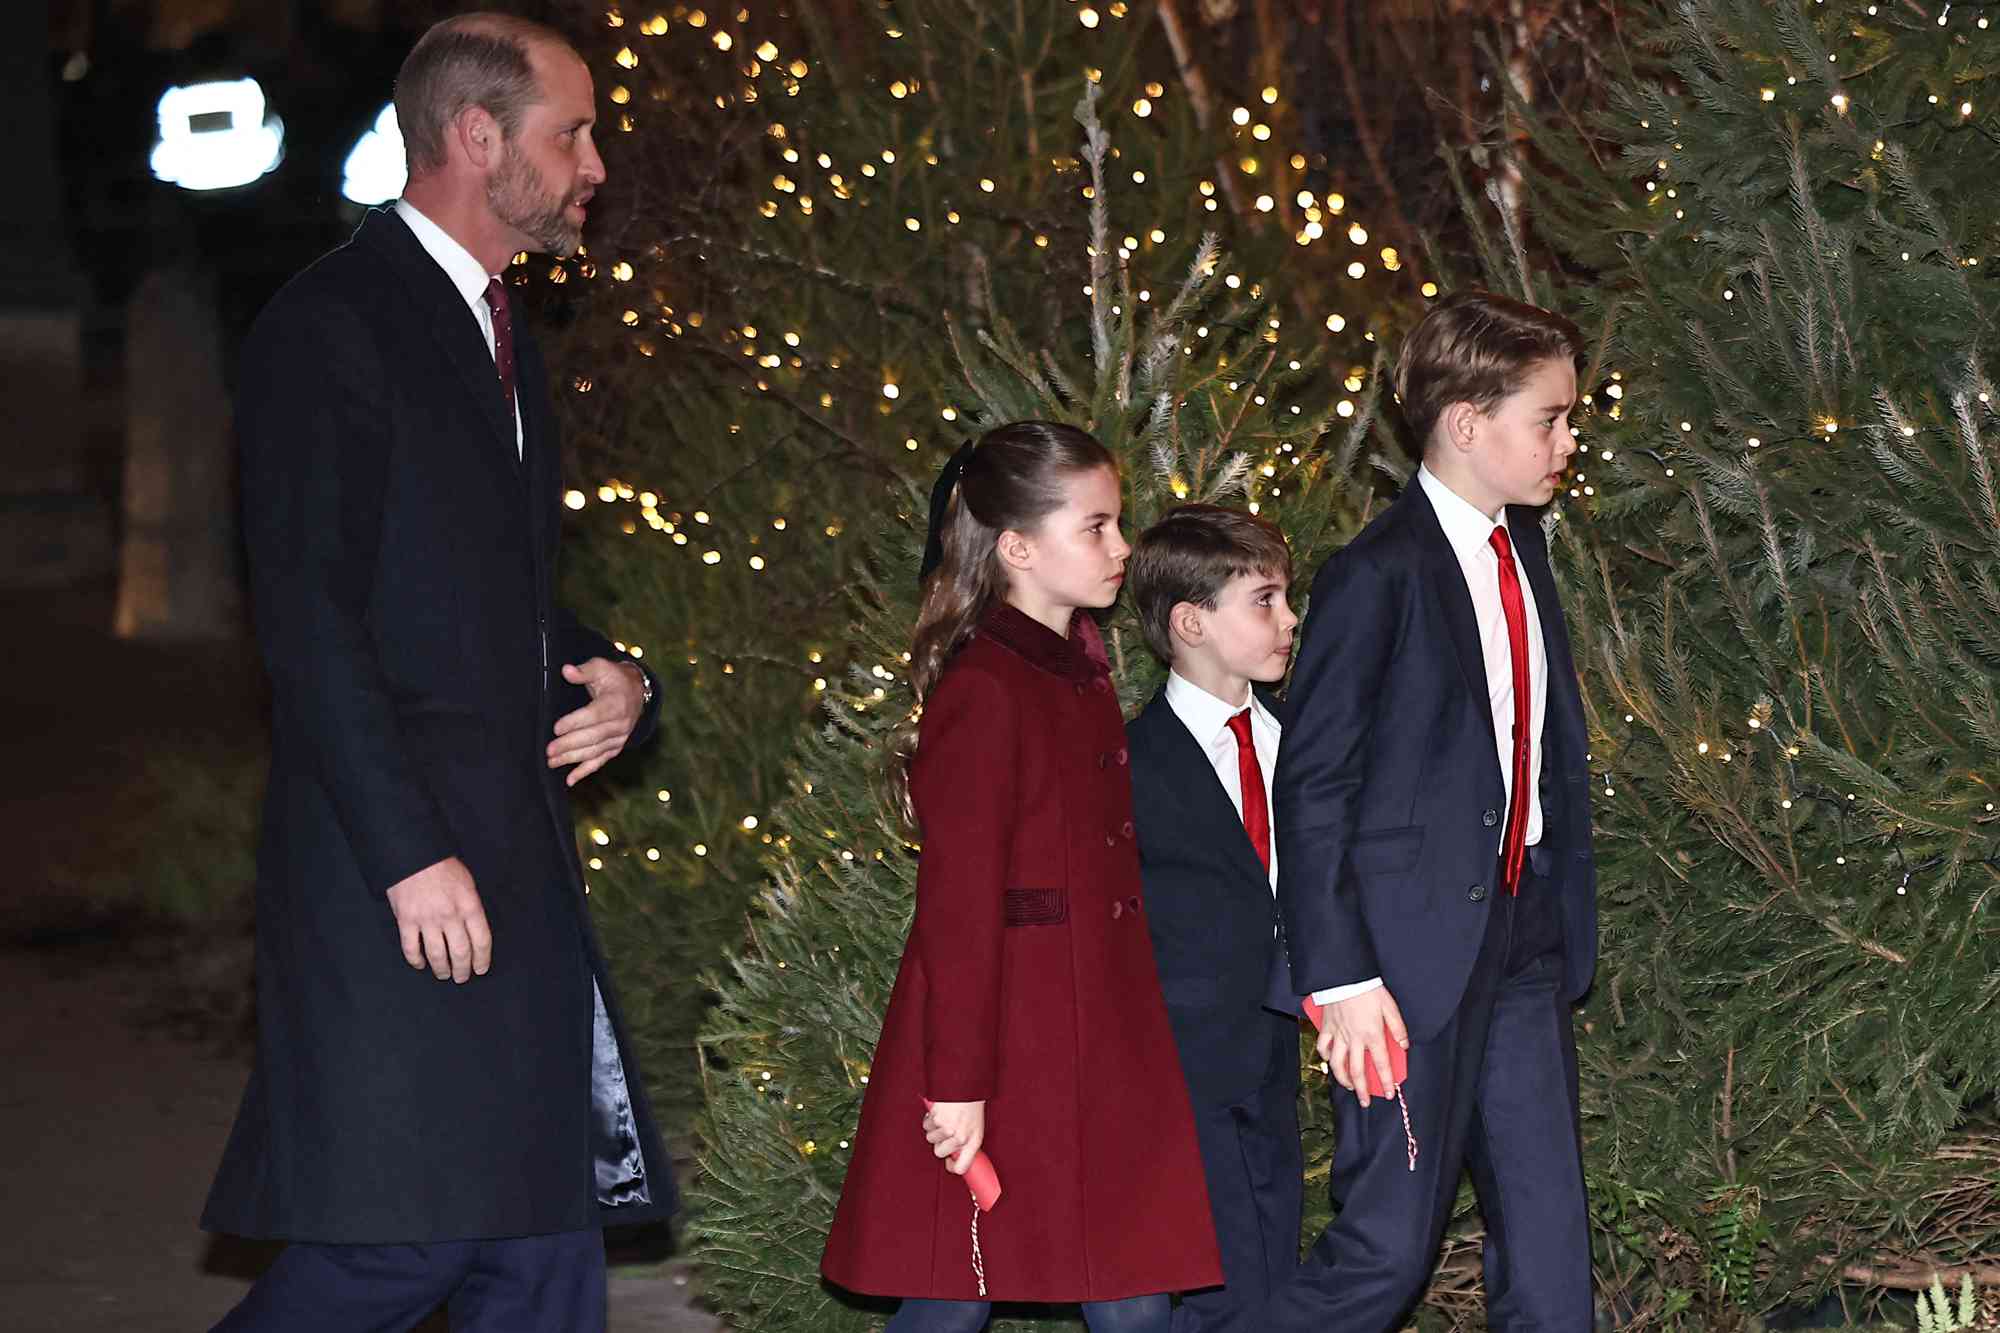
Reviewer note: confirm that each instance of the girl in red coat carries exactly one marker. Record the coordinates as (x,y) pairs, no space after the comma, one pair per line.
(1027,1008)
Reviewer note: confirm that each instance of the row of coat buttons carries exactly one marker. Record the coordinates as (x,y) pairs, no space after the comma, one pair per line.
(1125,830)
(1110,757)
(1119,909)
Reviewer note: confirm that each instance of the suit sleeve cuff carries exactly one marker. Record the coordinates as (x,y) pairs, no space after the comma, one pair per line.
(1335,994)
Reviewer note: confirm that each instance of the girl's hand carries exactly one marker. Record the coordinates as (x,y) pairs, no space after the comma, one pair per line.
(955,1130)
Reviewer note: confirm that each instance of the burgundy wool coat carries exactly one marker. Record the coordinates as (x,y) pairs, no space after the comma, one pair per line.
(1027,982)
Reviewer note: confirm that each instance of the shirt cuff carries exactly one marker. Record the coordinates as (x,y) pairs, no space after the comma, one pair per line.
(1335,994)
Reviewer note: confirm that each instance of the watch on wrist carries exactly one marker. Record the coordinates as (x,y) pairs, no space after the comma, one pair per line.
(645,682)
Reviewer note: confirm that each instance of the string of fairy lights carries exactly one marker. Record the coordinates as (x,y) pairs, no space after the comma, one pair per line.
(797,192)
(805,184)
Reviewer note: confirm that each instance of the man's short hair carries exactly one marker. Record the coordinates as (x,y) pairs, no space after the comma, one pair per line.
(1191,555)
(1475,347)
(466,61)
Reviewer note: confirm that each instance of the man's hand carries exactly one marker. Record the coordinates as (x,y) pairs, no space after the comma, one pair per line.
(441,921)
(594,734)
(956,1128)
(1353,1032)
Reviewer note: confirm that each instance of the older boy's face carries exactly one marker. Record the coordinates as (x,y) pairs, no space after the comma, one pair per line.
(1250,629)
(1521,449)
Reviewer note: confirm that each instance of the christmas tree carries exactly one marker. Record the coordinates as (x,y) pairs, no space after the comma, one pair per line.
(1202,395)
(1781,586)
(804,202)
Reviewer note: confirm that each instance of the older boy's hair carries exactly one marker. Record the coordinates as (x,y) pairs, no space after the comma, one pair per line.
(1474,347)
(1190,555)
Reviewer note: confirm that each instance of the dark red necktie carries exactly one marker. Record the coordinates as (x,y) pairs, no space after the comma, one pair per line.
(503,339)
(1256,805)
(1514,847)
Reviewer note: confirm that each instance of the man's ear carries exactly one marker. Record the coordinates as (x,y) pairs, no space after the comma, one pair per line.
(1016,551)
(1186,623)
(478,137)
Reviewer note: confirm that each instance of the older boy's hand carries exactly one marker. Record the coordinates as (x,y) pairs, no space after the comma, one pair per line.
(955,1130)
(1353,1033)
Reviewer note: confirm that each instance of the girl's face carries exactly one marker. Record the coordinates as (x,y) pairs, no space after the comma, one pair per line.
(1074,557)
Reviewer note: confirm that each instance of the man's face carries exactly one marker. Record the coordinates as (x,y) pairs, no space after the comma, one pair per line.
(550,168)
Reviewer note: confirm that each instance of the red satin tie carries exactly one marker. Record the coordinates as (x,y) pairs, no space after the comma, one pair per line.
(1256,805)
(503,339)
(1514,847)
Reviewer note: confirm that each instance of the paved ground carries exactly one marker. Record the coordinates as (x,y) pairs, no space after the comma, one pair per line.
(112,1118)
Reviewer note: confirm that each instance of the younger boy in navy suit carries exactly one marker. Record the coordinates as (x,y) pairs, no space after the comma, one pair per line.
(1434,824)
(1210,588)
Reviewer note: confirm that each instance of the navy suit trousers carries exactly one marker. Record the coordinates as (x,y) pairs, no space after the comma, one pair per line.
(530,1284)
(1495,1090)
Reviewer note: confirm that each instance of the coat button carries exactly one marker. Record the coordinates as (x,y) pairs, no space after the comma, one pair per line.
(1102,684)
(1117,910)
(1476,894)
(1104,761)
(1121,756)
(1079,687)
(1127,829)
(1110,840)
(1133,903)
(1490,818)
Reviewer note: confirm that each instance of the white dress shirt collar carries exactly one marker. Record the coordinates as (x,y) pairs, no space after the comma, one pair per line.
(1469,531)
(1207,717)
(467,274)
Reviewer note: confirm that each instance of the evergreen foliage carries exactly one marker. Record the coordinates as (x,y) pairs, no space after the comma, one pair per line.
(1783,597)
(805,201)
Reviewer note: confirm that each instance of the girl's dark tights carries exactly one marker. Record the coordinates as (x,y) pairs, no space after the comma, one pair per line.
(1136,1314)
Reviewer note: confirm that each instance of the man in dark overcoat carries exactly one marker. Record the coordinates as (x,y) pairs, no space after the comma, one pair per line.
(444,1107)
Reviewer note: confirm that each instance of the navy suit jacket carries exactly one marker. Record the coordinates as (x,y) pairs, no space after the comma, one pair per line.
(1389,800)
(1209,907)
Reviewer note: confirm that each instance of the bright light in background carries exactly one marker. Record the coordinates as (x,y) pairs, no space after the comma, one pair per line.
(375,170)
(214,136)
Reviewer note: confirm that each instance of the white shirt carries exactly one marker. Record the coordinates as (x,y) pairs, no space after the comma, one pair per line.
(1207,719)
(467,274)
(1471,536)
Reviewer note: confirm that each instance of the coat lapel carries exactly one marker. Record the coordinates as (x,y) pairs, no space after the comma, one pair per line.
(1191,783)
(1454,600)
(450,321)
(1565,703)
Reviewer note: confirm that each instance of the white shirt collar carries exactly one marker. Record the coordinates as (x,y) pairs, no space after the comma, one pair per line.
(467,274)
(1468,530)
(1207,717)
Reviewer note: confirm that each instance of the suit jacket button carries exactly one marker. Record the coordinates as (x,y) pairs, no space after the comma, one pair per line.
(1490,818)
(1117,910)
(1476,894)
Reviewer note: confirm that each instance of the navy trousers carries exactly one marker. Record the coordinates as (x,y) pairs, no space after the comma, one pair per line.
(531,1284)
(1256,1189)
(1136,1314)
(1495,1090)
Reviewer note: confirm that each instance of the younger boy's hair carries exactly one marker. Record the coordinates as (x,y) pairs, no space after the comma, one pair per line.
(1190,555)
(1474,347)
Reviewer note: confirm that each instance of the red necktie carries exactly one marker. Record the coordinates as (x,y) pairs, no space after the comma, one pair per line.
(1256,806)
(1514,847)
(503,339)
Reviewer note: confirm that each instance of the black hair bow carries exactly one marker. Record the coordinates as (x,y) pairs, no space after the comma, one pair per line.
(941,505)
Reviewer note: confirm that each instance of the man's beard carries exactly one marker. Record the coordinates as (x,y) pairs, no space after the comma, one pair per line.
(517,196)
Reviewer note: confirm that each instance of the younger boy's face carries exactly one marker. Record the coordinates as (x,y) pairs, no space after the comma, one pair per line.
(1249,633)
(1522,447)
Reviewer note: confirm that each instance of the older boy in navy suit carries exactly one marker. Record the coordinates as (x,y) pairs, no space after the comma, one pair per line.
(1434,826)
(1210,588)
